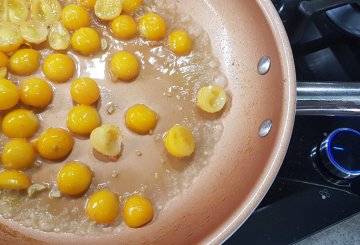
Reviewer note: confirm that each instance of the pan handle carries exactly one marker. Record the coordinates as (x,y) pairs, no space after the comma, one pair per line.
(328,98)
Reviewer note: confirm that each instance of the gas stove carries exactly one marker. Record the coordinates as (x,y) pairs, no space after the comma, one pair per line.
(318,184)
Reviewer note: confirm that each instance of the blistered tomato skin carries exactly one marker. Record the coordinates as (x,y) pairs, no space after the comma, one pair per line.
(180,42)
(74,17)
(86,41)
(24,62)
(138,211)
(85,91)
(124,27)
(140,119)
(125,66)
(58,68)
(54,144)
(130,6)
(103,207)
(152,27)
(36,92)
(74,178)
(211,98)
(82,119)
(14,180)
(9,94)
(179,141)
(18,154)
(20,123)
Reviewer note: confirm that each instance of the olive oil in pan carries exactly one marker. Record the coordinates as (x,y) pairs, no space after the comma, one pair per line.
(168,85)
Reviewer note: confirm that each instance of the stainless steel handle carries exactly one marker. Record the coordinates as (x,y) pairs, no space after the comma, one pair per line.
(328,98)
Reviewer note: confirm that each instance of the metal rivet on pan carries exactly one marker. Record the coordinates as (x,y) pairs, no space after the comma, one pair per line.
(265,128)
(264,64)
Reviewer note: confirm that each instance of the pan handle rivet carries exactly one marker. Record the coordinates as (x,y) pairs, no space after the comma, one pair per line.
(265,128)
(264,64)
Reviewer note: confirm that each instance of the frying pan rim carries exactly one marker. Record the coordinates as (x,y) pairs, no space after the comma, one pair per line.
(283,139)
(224,232)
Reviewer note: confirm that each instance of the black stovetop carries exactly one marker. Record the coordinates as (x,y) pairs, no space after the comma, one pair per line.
(304,197)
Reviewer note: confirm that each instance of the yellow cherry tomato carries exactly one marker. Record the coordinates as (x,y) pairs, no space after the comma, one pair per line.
(140,119)
(179,141)
(3,72)
(125,66)
(14,180)
(58,68)
(152,27)
(9,94)
(180,42)
(211,98)
(20,123)
(86,41)
(87,3)
(74,16)
(17,11)
(138,211)
(82,119)
(46,11)
(18,154)
(24,61)
(130,6)
(54,144)
(107,9)
(85,91)
(74,178)
(124,27)
(10,37)
(36,92)
(4,60)
(33,31)
(59,36)
(103,207)
(107,139)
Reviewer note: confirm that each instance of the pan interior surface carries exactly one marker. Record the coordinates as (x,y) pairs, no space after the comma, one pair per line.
(244,164)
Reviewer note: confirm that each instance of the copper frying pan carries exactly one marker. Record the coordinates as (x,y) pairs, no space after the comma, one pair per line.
(244,164)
